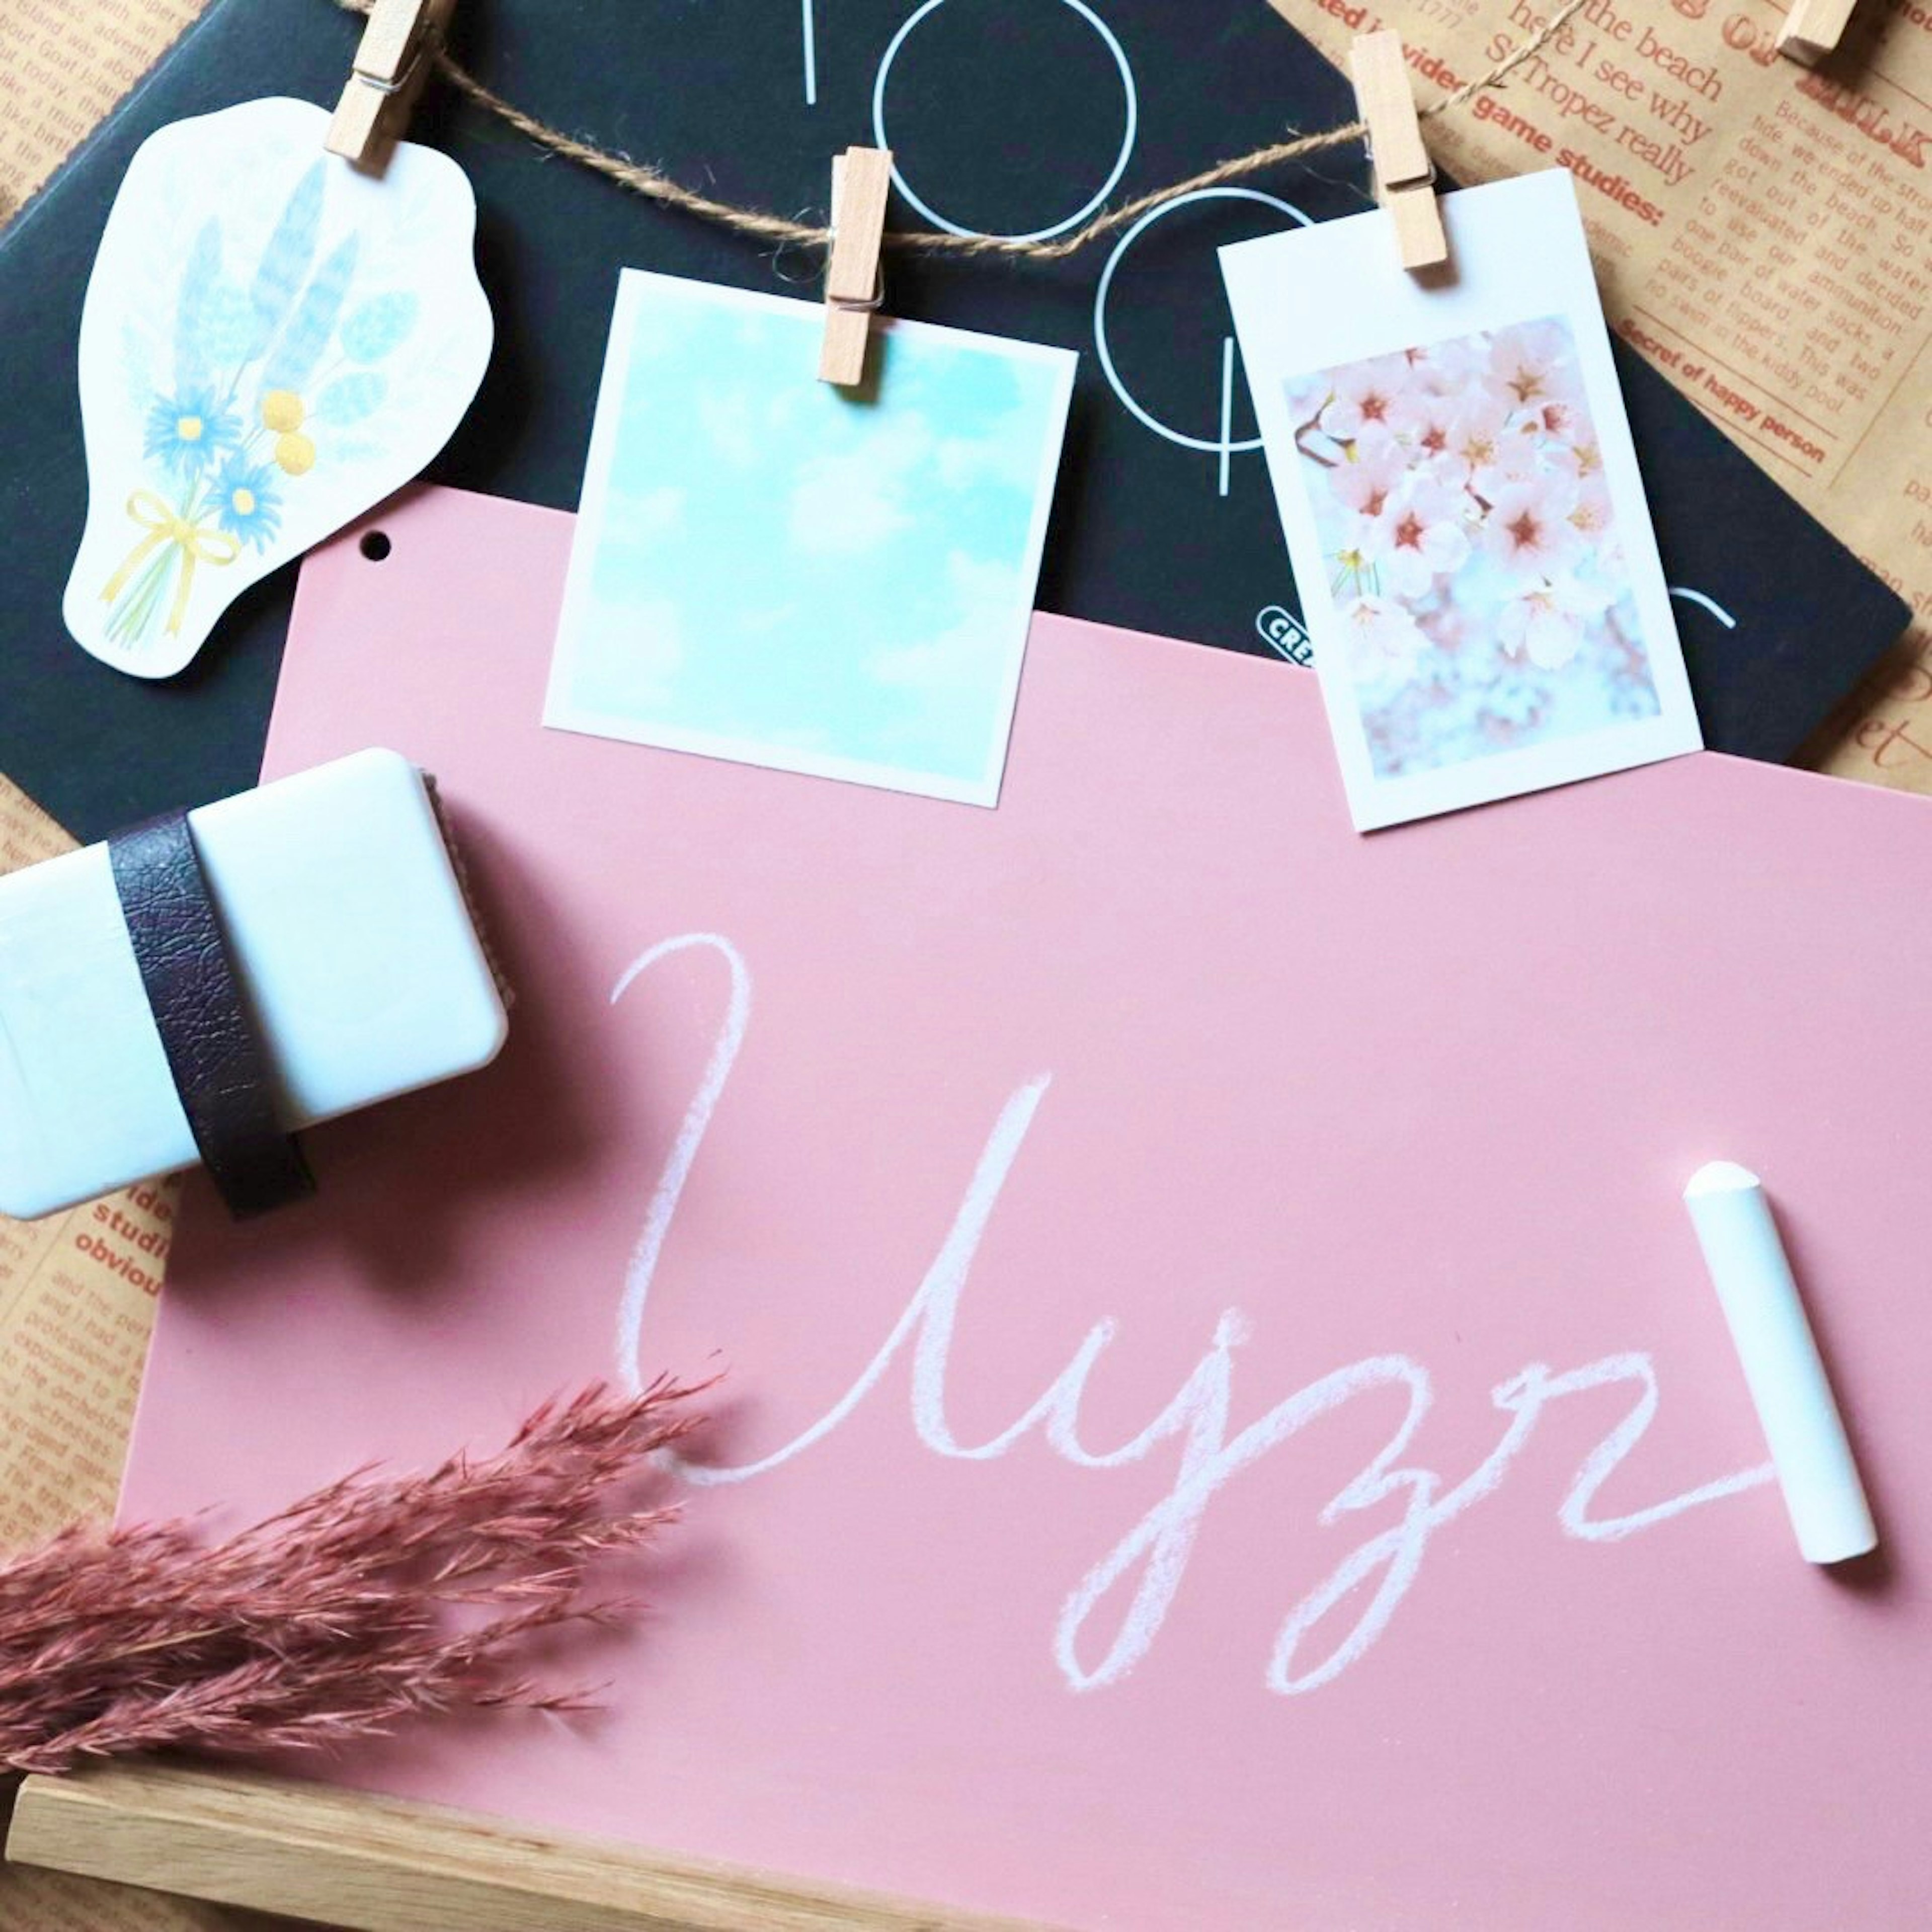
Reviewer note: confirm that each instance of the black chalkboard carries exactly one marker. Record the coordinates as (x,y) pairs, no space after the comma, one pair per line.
(1010,116)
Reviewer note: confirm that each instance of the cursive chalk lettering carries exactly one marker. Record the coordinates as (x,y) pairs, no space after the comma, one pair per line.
(1147,1566)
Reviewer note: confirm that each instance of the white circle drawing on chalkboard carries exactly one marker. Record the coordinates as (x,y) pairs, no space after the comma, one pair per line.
(1079,215)
(1716,609)
(1221,445)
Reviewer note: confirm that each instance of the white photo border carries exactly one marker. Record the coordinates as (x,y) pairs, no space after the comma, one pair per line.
(1314,298)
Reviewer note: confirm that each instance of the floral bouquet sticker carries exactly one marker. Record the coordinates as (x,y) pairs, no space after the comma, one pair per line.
(1468,532)
(271,342)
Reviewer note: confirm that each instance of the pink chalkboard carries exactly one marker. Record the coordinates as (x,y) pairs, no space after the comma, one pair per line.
(1226,1426)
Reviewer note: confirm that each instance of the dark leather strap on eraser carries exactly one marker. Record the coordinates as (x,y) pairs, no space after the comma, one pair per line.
(215,1053)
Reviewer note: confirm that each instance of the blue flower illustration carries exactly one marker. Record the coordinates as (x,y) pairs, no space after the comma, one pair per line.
(245,504)
(191,431)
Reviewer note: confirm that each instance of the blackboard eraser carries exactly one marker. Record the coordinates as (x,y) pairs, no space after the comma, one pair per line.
(346,943)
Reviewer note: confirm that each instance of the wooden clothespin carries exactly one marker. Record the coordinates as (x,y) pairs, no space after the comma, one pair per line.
(397,49)
(1812,28)
(854,280)
(1405,176)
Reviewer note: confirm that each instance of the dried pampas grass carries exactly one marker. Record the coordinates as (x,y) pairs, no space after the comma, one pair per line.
(379,1599)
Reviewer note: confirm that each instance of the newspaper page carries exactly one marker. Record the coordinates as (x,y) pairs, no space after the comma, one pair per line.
(63,64)
(76,1303)
(1763,233)
(77,1295)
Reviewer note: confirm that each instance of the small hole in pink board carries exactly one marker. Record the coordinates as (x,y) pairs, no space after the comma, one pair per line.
(375,545)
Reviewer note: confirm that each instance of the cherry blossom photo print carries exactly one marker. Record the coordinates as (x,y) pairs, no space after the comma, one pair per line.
(1462,508)
(1472,547)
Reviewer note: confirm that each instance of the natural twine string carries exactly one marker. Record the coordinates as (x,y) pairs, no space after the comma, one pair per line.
(655,185)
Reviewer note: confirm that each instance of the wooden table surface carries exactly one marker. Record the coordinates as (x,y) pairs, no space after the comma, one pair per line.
(63,64)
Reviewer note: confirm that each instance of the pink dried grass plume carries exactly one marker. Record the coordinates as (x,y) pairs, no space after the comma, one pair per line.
(379,1599)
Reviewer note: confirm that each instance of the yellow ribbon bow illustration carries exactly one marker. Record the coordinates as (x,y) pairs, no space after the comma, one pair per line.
(164,524)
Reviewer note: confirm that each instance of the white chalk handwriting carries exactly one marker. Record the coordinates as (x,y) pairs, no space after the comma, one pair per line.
(1143,1572)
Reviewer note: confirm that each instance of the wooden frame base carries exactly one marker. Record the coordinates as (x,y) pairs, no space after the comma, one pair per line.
(377,1864)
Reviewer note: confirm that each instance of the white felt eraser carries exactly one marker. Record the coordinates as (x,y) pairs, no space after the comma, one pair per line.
(352,942)
(1783,1368)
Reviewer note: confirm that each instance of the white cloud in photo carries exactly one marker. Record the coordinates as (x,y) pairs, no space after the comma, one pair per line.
(956,662)
(641,648)
(1003,459)
(644,517)
(726,420)
(847,503)
(662,331)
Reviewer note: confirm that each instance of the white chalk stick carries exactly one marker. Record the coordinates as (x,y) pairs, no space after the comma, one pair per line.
(1782,1365)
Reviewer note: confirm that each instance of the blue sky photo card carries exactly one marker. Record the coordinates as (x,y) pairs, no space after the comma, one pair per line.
(771,569)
